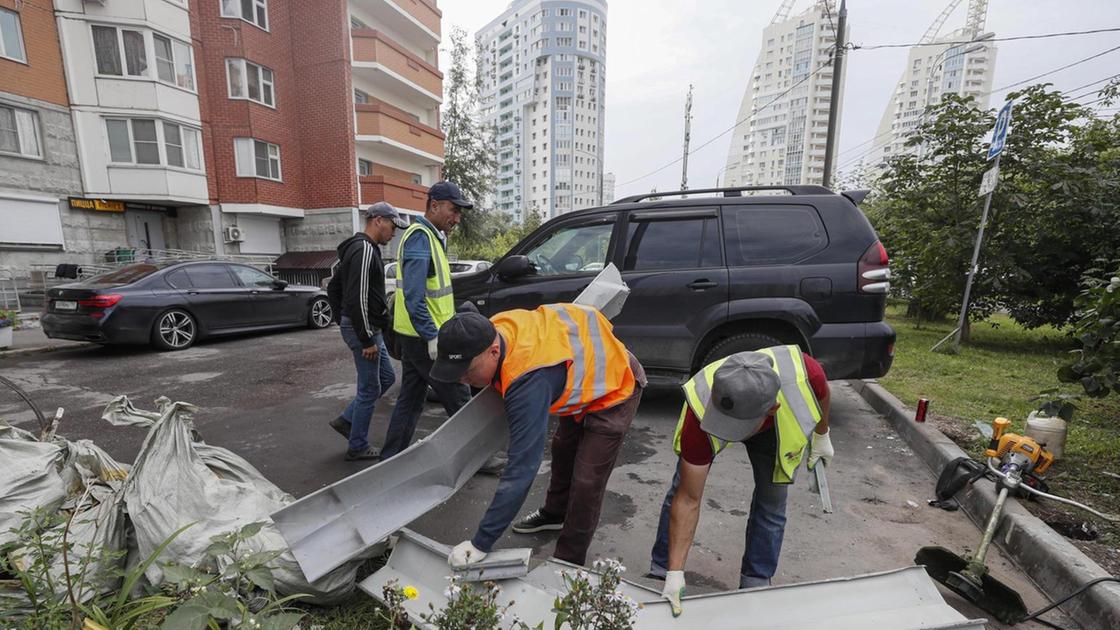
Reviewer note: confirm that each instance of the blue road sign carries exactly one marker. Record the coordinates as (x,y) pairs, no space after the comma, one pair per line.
(999,132)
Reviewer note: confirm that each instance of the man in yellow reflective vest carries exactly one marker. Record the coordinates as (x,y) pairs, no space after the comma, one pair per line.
(562,360)
(775,401)
(422,303)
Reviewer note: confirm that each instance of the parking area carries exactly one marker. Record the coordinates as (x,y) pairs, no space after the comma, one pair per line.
(269,397)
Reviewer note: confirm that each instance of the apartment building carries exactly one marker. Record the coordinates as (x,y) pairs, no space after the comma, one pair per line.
(782,125)
(38,160)
(236,126)
(935,68)
(543,69)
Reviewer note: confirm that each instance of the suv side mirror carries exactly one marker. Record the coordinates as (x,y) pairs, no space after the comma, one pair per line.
(512,267)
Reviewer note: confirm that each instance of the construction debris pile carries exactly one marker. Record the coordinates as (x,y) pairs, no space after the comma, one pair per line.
(119,512)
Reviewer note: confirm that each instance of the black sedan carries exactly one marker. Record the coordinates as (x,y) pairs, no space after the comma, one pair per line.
(172,305)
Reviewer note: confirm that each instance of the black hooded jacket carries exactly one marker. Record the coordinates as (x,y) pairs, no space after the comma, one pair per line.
(357,289)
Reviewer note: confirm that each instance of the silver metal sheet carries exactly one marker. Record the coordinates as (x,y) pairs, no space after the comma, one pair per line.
(900,600)
(818,483)
(338,523)
(500,564)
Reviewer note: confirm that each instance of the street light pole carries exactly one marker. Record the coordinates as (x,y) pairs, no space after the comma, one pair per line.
(834,99)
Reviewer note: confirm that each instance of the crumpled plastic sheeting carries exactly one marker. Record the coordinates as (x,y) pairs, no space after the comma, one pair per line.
(176,480)
(84,482)
(29,477)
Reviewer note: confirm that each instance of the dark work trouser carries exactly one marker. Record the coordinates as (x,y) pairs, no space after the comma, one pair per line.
(583,457)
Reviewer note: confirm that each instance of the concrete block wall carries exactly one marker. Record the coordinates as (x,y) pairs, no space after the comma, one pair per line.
(320,230)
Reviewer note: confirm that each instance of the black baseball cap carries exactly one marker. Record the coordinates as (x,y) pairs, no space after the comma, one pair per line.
(448,191)
(461,339)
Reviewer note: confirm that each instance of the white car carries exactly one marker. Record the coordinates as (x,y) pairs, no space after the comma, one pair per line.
(458,268)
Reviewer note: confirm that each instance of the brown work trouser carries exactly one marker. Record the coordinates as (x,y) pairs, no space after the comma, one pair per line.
(583,456)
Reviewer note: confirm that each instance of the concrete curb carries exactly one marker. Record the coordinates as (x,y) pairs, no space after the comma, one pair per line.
(1049,560)
(41,349)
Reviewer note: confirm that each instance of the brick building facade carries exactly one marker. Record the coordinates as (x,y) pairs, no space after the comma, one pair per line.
(218,126)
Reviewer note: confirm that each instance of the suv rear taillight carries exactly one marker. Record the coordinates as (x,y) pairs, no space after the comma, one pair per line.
(100,301)
(874,271)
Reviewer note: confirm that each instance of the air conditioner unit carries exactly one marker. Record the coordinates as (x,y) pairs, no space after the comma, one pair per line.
(234,234)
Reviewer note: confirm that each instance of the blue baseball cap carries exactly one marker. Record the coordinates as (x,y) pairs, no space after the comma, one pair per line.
(448,191)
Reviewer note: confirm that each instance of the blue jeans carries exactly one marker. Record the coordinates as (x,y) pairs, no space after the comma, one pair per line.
(415,380)
(375,377)
(765,526)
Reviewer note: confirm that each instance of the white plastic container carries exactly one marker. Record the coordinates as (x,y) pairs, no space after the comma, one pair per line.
(5,337)
(1050,431)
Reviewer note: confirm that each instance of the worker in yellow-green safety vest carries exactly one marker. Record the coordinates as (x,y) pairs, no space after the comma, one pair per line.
(775,401)
(422,303)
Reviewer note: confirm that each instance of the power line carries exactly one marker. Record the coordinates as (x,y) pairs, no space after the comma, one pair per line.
(994,39)
(1068,97)
(1068,65)
(732,127)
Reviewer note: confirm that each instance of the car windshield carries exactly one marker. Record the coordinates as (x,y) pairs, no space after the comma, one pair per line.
(125,275)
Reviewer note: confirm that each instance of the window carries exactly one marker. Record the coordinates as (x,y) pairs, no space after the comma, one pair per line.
(252,11)
(11,36)
(210,277)
(772,234)
(139,141)
(572,249)
(19,132)
(174,63)
(673,244)
(257,159)
(178,279)
(250,277)
(110,45)
(249,81)
(365,167)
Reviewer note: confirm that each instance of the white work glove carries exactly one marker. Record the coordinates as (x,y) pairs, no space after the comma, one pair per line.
(674,590)
(463,554)
(820,448)
(432,347)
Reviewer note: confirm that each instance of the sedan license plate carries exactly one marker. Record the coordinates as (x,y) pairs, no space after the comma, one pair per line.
(65,305)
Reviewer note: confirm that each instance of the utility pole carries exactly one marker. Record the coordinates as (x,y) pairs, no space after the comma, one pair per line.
(834,102)
(687,122)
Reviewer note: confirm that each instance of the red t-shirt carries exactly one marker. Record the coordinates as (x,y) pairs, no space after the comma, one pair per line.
(696,448)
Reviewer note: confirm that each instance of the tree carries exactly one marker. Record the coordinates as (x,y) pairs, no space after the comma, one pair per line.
(1096,365)
(1054,212)
(469,158)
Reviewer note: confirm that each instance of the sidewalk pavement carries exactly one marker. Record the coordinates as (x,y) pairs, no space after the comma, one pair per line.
(1049,560)
(29,340)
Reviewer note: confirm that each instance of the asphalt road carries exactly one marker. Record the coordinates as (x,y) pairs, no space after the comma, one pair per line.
(269,397)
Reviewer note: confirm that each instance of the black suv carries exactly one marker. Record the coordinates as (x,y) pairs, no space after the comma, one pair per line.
(714,272)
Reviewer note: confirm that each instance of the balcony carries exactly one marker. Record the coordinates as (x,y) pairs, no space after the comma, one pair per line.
(392,67)
(395,131)
(376,188)
(418,21)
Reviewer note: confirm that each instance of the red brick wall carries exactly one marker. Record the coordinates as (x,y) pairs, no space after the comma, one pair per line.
(307,49)
(42,76)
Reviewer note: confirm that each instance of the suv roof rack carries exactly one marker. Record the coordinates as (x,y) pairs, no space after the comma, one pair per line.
(728,192)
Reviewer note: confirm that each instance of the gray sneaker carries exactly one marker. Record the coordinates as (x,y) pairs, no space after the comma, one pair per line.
(495,465)
(369,453)
(342,425)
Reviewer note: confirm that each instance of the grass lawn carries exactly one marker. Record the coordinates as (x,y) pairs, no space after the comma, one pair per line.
(996,375)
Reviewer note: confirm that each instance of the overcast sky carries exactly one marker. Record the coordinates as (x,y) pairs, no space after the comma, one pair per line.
(655,48)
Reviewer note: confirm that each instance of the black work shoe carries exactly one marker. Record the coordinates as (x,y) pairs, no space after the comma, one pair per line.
(369,453)
(495,465)
(538,521)
(342,425)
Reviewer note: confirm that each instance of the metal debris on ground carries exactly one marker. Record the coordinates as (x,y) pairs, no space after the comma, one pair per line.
(901,600)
